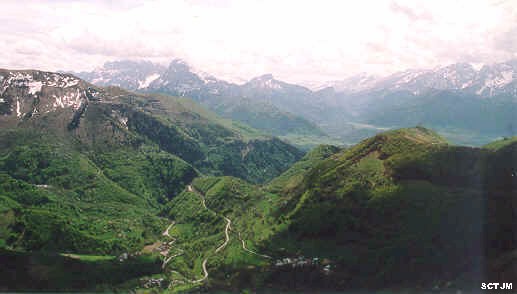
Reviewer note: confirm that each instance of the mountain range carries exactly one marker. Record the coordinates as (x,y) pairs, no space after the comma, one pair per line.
(86,149)
(226,99)
(467,105)
(103,189)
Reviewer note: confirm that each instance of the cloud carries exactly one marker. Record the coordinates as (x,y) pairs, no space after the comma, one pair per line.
(507,41)
(411,13)
(295,40)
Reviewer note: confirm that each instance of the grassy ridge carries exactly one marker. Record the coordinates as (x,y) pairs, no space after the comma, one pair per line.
(401,209)
(403,205)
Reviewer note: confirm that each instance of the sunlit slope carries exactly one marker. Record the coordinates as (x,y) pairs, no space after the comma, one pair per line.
(404,205)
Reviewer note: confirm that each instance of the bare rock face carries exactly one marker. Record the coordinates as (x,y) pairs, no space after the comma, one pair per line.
(63,105)
(27,93)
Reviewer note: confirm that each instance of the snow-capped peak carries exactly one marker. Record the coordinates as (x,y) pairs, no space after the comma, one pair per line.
(28,93)
(488,80)
(179,65)
(128,74)
(355,83)
(266,81)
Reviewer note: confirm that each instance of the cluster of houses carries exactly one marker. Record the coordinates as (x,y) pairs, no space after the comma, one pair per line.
(153,283)
(125,256)
(301,261)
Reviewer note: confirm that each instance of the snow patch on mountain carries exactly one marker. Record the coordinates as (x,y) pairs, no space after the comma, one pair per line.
(148,80)
(34,87)
(266,81)
(477,65)
(351,84)
(71,99)
(484,80)
(28,81)
(18,112)
(504,78)
(36,92)
(408,77)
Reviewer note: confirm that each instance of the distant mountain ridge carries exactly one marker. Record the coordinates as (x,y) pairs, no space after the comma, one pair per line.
(352,109)
(487,81)
(227,99)
(131,75)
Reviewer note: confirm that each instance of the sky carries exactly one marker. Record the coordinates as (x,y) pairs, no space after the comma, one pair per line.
(297,41)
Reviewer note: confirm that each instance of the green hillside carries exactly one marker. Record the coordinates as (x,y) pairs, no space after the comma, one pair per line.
(94,182)
(404,205)
(403,210)
(168,196)
(292,177)
(263,116)
(211,144)
(60,200)
(199,232)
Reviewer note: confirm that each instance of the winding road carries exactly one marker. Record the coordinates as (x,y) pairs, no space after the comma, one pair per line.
(228,225)
(169,258)
(226,241)
(166,232)
(205,272)
(228,221)
(251,251)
